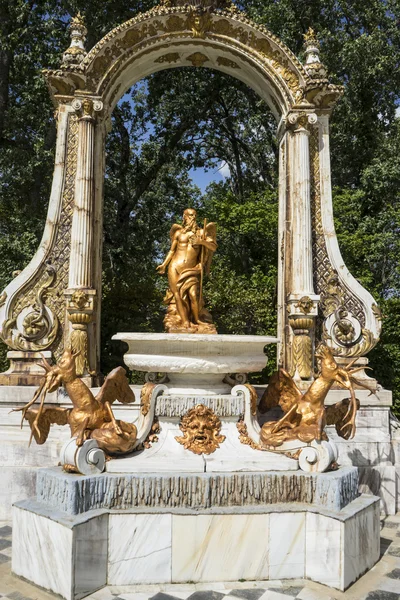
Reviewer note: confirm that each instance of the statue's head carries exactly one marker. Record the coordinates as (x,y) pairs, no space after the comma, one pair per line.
(189,217)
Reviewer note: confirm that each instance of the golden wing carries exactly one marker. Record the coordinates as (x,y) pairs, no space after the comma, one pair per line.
(210,232)
(116,387)
(51,415)
(281,391)
(270,397)
(290,393)
(342,415)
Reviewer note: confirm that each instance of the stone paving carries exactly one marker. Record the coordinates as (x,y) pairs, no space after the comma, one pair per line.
(381,583)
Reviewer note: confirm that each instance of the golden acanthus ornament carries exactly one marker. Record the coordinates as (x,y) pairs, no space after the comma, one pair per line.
(188,260)
(305,415)
(91,417)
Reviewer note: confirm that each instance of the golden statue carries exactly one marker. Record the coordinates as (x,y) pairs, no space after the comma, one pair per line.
(305,415)
(91,417)
(190,255)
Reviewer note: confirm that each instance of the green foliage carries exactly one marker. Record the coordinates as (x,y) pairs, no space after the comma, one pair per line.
(182,119)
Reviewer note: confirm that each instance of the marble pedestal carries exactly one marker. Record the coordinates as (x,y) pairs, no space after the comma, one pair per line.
(138,529)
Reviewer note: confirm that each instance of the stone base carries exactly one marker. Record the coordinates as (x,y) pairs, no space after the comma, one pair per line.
(77,494)
(75,555)
(374,450)
(24,368)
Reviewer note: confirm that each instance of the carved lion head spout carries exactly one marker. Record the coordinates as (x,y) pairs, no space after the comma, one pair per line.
(201,428)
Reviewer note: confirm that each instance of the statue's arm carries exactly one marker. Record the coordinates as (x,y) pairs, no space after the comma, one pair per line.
(208,243)
(161,268)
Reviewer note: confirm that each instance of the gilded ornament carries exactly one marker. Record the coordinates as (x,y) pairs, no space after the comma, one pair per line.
(302,347)
(76,52)
(80,309)
(226,62)
(145,397)
(197,59)
(333,297)
(305,415)
(199,22)
(3,298)
(305,305)
(310,38)
(79,299)
(152,437)
(201,430)
(244,437)
(171,57)
(377,312)
(91,417)
(188,260)
(87,106)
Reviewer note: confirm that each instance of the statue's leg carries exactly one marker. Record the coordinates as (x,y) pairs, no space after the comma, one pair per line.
(194,304)
(182,310)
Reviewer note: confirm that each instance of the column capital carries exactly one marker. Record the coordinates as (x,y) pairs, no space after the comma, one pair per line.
(88,109)
(299,305)
(301,120)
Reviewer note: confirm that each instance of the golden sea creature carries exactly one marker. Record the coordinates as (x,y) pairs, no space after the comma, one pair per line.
(305,415)
(91,417)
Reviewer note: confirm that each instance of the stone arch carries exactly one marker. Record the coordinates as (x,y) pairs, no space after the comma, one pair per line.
(56,300)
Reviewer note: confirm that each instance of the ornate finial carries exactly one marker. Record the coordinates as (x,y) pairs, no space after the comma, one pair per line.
(76,52)
(310,39)
(313,65)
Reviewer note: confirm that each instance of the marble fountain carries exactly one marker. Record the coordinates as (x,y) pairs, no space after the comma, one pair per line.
(198,481)
(210,483)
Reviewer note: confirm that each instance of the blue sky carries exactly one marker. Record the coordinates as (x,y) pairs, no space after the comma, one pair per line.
(203,178)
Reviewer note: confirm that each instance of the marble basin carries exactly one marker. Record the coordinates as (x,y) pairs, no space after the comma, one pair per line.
(195,364)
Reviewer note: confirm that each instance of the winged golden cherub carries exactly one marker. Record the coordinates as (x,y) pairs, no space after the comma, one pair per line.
(189,258)
(91,417)
(305,415)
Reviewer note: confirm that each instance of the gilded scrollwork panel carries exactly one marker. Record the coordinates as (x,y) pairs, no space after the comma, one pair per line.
(342,319)
(36,316)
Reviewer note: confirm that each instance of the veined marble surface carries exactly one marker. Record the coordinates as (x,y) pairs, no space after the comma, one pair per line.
(42,552)
(228,547)
(139,549)
(176,546)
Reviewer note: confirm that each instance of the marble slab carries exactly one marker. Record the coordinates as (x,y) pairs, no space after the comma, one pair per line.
(164,456)
(90,556)
(41,552)
(70,555)
(323,550)
(287,545)
(219,547)
(233,456)
(361,544)
(139,549)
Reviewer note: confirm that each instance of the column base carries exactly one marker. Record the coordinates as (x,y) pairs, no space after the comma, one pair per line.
(24,368)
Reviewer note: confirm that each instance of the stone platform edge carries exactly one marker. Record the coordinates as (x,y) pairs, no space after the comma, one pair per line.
(77,494)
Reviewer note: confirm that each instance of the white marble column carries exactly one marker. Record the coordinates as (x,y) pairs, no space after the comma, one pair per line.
(80,271)
(82,292)
(300,187)
(302,301)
